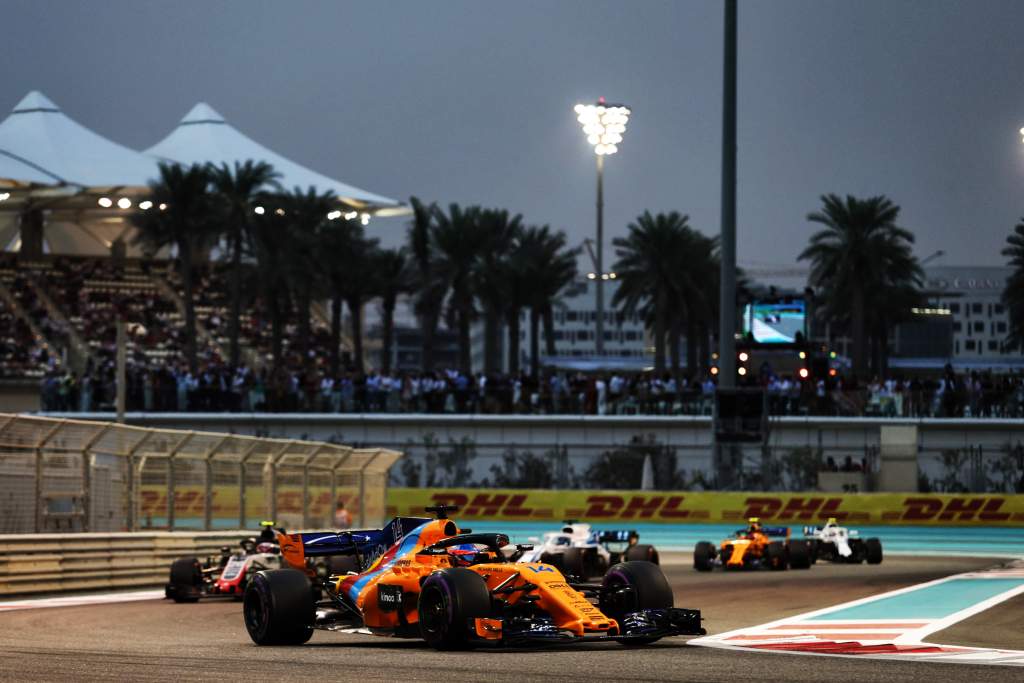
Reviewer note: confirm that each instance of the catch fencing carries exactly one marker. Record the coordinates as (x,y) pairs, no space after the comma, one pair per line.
(60,475)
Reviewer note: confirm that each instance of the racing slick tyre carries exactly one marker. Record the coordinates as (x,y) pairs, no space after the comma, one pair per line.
(642,552)
(775,556)
(554,559)
(449,601)
(873,551)
(650,590)
(812,547)
(799,555)
(186,580)
(703,556)
(574,563)
(278,608)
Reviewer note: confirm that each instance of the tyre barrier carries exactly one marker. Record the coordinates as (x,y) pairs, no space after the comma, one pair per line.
(57,563)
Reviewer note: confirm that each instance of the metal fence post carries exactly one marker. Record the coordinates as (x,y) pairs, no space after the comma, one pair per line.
(87,476)
(272,465)
(170,478)
(334,479)
(241,483)
(208,493)
(362,488)
(133,497)
(39,474)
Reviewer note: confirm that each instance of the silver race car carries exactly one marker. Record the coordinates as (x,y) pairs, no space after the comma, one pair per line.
(838,544)
(583,552)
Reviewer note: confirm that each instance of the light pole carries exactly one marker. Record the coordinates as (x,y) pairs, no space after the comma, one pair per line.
(603,124)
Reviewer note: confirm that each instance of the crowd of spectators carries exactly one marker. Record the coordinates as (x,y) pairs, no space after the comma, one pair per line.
(216,387)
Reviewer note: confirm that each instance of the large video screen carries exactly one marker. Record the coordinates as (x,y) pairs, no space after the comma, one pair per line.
(775,322)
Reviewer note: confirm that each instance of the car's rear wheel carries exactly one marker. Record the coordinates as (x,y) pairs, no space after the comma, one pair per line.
(799,555)
(775,556)
(642,552)
(703,556)
(633,586)
(873,551)
(449,602)
(278,608)
(574,563)
(186,580)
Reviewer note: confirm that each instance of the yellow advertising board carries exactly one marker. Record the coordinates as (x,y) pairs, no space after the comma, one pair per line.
(712,507)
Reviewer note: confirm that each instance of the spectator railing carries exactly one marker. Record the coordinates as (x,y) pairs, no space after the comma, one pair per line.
(71,475)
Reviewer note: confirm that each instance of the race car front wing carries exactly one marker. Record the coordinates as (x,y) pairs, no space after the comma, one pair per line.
(641,625)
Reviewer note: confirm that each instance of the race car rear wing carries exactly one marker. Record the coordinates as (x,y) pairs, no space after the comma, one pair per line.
(614,536)
(297,547)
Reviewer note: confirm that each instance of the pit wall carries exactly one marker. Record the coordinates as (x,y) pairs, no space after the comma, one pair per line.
(710,507)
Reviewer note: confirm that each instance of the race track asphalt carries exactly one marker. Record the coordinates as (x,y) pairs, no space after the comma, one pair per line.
(161,641)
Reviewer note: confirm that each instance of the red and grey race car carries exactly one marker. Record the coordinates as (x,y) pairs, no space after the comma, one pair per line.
(226,574)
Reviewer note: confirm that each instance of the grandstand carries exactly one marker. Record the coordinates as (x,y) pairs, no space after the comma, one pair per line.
(70,267)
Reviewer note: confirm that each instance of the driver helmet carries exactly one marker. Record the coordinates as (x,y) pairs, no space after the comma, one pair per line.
(266,547)
(755,525)
(267,532)
(464,555)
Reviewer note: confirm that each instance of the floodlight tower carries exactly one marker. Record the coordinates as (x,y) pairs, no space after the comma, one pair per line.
(603,124)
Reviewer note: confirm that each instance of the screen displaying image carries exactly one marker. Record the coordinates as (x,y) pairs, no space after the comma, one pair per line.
(774,323)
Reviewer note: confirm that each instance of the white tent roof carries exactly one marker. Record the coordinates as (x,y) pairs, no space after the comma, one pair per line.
(40,145)
(204,136)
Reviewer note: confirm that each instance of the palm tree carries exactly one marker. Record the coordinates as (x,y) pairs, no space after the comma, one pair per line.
(648,258)
(458,240)
(551,268)
(238,188)
(395,276)
(695,290)
(272,244)
(430,286)
(182,217)
(305,214)
(860,252)
(498,231)
(1013,295)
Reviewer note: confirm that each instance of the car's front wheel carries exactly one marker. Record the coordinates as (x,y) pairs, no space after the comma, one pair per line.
(703,556)
(631,587)
(278,608)
(449,602)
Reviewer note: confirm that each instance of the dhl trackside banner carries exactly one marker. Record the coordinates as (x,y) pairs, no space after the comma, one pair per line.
(710,507)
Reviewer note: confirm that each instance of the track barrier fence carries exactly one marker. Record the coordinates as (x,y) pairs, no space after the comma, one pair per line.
(60,475)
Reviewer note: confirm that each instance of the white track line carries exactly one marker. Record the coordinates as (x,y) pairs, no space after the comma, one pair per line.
(875,638)
(78,600)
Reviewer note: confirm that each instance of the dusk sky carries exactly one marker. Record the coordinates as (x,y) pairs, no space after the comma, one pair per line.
(472,102)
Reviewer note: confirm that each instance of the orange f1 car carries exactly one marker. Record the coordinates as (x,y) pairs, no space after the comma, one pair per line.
(427,578)
(754,547)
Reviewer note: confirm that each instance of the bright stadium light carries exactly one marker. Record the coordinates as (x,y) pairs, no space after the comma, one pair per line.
(145,205)
(4,196)
(604,125)
(259,210)
(124,203)
(1022,134)
(105,202)
(364,218)
(333,215)
(351,215)
(163,207)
